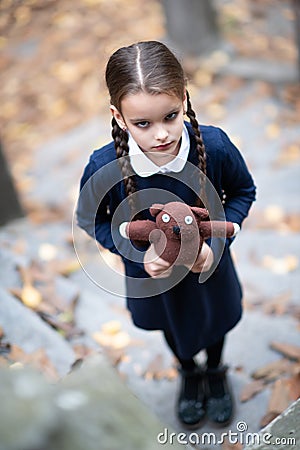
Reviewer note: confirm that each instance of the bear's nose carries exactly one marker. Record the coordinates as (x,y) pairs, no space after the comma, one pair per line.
(176,230)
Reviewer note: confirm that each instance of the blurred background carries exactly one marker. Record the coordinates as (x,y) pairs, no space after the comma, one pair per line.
(242,61)
(53,56)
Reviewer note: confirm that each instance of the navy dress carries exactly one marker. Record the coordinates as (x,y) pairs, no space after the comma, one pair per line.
(196,314)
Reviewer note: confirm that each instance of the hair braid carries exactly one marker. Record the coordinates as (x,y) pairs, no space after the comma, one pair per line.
(120,138)
(200,148)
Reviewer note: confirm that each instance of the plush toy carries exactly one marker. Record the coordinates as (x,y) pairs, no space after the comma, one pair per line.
(178,232)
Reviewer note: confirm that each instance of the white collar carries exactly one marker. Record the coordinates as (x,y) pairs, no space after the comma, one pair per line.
(144,167)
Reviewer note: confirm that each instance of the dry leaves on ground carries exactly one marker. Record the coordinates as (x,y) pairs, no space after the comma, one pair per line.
(281,376)
(15,357)
(50,295)
(156,370)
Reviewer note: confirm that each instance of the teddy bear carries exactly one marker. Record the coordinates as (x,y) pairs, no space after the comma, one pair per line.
(178,232)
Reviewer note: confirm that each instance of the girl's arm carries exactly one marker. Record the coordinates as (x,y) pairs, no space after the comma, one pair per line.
(236,182)
(94,216)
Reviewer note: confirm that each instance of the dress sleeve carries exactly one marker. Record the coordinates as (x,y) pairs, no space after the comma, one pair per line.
(237,183)
(93,213)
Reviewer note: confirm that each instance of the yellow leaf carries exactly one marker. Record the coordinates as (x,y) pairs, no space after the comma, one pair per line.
(272,130)
(117,341)
(16,366)
(47,252)
(274,214)
(281,266)
(30,296)
(111,327)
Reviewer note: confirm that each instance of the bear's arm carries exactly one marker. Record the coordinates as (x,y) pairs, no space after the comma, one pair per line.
(216,228)
(140,230)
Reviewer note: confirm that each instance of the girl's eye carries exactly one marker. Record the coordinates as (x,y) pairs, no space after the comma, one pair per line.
(143,124)
(188,220)
(165,218)
(172,116)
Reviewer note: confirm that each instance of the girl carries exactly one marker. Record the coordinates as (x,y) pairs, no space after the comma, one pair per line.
(154,146)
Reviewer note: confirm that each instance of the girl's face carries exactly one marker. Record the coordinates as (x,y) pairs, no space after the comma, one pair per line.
(155,122)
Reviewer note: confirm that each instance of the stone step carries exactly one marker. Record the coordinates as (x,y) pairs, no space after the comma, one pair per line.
(91,409)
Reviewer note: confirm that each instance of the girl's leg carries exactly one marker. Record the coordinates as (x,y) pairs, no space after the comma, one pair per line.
(190,404)
(219,402)
(186,364)
(214,354)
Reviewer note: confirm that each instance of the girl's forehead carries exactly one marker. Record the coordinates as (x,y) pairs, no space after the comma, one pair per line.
(141,104)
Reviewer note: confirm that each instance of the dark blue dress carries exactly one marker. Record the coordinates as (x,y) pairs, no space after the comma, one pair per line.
(197,314)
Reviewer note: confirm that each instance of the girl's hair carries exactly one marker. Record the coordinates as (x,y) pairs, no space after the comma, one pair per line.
(152,68)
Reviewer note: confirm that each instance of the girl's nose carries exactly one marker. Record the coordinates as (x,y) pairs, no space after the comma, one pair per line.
(161,133)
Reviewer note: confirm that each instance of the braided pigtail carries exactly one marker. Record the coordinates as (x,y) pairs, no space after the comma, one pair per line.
(200,149)
(120,138)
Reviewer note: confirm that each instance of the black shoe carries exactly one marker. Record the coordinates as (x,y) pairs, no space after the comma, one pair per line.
(219,402)
(190,407)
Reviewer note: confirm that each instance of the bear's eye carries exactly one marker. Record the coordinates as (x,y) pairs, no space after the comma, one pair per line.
(188,220)
(165,218)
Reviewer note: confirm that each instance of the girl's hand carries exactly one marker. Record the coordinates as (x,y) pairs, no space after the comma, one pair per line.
(204,260)
(155,266)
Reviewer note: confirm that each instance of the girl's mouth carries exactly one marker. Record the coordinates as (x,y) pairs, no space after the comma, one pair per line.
(163,146)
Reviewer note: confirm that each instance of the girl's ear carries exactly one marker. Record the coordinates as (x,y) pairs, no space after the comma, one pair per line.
(118,117)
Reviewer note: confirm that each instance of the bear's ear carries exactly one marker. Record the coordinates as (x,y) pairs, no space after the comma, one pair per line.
(156,208)
(202,213)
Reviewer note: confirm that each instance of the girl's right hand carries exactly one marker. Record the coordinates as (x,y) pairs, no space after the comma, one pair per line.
(155,266)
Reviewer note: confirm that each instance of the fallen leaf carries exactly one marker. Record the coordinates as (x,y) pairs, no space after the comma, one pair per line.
(273,370)
(274,214)
(294,386)
(69,330)
(280,397)
(38,359)
(281,266)
(66,267)
(288,350)
(251,389)
(112,327)
(30,296)
(47,252)
(278,305)
(154,367)
(117,341)
(267,418)
(157,371)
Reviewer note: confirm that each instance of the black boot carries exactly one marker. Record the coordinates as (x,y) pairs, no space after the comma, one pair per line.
(219,402)
(190,407)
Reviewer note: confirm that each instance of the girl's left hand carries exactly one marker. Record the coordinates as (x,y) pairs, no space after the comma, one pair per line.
(204,260)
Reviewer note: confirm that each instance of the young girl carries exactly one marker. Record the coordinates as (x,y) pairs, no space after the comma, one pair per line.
(154,146)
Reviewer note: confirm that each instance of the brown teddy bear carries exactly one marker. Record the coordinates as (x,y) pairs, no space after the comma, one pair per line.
(178,231)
